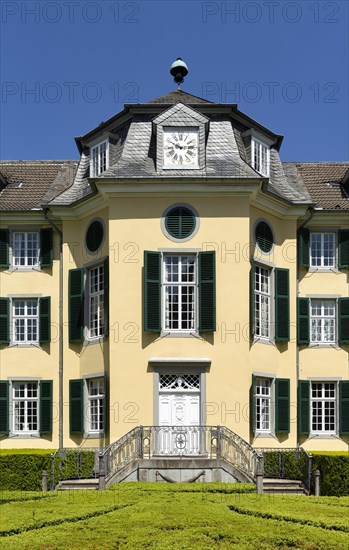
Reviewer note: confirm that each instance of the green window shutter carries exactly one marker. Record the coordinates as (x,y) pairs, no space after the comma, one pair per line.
(4,407)
(252,406)
(45,320)
(303,407)
(46,247)
(303,321)
(4,247)
(106,296)
(282,405)
(207,291)
(303,246)
(106,406)
(343,248)
(76,305)
(46,407)
(152,291)
(343,321)
(76,406)
(252,320)
(4,320)
(344,407)
(282,305)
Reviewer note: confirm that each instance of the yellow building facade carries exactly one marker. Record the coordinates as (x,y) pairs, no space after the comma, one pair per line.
(178,274)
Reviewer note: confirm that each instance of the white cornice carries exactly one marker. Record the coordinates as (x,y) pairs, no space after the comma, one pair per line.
(27,217)
(278,207)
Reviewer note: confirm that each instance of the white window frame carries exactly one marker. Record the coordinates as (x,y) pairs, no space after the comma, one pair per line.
(265,296)
(322,318)
(261,150)
(96,152)
(25,400)
(323,400)
(96,401)
(322,265)
(266,385)
(96,317)
(25,257)
(26,318)
(165,284)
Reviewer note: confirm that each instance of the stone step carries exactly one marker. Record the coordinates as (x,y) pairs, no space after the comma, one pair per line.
(78,485)
(283,486)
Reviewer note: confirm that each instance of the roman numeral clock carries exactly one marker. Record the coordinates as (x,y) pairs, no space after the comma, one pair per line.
(181,148)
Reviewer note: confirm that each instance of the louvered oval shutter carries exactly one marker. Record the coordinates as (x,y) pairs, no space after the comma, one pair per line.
(4,248)
(344,407)
(4,320)
(303,246)
(94,236)
(76,305)
(45,320)
(106,296)
(180,222)
(343,248)
(303,321)
(264,237)
(207,291)
(46,247)
(152,291)
(282,305)
(303,407)
(252,406)
(46,407)
(4,407)
(282,405)
(76,406)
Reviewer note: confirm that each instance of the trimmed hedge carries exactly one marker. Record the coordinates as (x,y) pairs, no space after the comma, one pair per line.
(334,470)
(333,467)
(21,470)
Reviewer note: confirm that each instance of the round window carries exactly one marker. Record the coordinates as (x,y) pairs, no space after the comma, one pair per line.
(94,236)
(264,236)
(180,222)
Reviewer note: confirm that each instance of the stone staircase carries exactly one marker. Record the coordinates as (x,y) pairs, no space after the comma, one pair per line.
(78,484)
(274,486)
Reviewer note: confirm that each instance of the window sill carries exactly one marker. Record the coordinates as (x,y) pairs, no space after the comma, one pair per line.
(323,270)
(322,345)
(260,340)
(264,435)
(25,345)
(93,341)
(179,334)
(13,269)
(13,435)
(324,436)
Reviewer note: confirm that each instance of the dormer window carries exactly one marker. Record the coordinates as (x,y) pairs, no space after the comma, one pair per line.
(260,156)
(99,158)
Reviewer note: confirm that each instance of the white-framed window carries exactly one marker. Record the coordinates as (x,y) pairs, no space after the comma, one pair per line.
(263,404)
(25,248)
(323,321)
(25,319)
(322,250)
(262,294)
(96,397)
(180,292)
(25,402)
(99,160)
(260,156)
(96,302)
(323,407)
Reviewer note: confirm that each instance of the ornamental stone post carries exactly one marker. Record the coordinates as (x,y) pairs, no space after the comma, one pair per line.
(260,474)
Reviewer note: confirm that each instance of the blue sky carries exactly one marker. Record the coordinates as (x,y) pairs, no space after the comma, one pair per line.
(68,65)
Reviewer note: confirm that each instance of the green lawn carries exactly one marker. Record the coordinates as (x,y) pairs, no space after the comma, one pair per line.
(166,516)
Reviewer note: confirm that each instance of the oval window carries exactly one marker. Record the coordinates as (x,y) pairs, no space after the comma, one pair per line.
(94,236)
(180,222)
(264,236)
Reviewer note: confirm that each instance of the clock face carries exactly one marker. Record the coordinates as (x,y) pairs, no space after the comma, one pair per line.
(180,148)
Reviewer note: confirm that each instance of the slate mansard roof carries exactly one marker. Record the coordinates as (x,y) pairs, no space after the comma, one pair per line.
(26,185)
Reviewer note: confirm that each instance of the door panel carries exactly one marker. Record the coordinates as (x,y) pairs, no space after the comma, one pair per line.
(178,418)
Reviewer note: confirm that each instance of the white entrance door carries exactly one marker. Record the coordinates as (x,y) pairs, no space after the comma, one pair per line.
(179,420)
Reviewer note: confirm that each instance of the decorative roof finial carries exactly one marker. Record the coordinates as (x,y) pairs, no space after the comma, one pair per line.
(179,70)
